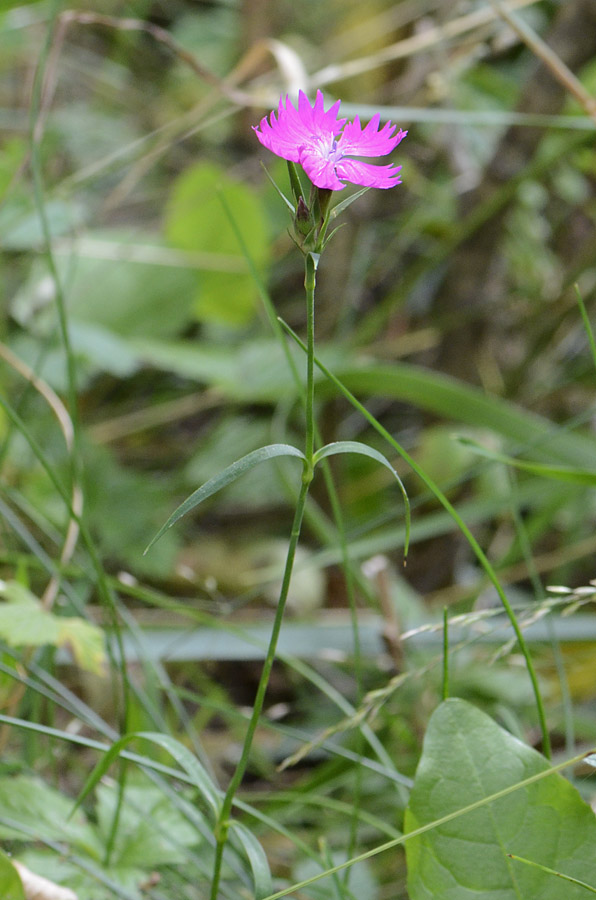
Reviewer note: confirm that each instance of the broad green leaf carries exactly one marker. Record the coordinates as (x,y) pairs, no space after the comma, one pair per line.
(255,371)
(231,473)
(258,372)
(446,460)
(12,153)
(196,221)
(558,473)
(110,494)
(452,399)
(11,887)
(25,623)
(43,814)
(104,135)
(86,641)
(191,765)
(256,858)
(467,757)
(108,282)
(102,350)
(20,227)
(151,831)
(211,32)
(365,450)
(93,882)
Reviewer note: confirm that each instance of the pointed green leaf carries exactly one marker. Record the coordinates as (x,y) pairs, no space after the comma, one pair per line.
(278,190)
(191,765)
(257,860)
(365,450)
(25,623)
(332,234)
(150,826)
(337,210)
(229,474)
(466,758)
(197,222)
(295,183)
(587,324)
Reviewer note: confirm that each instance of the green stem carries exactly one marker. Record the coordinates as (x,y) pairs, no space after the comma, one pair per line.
(75,462)
(222,824)
(587,323)
(310,278)
(477,549)
(445,654)
(535,865)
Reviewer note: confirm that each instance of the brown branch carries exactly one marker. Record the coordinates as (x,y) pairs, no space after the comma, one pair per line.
(163,37)
(551,60)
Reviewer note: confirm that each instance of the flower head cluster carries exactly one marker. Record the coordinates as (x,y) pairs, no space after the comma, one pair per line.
(324,144)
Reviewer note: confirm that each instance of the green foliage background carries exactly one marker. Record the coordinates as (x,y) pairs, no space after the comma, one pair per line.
(138,361)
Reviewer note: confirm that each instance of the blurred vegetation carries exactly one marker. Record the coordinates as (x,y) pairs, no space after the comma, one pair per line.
(137,361)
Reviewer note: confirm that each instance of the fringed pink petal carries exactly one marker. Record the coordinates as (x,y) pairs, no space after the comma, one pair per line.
(320,170)
(369,141)
(321,143)
(368,175)
(285,134)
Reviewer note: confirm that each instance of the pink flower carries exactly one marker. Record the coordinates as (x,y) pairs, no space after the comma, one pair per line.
(323,144)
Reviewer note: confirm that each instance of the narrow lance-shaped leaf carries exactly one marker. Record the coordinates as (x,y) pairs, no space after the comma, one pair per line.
(191,765)
(295,183)
(343,204)
(227,476)
(279,192)
(480,555)
(545,470)
(587,323)
(365,450)
(256,858)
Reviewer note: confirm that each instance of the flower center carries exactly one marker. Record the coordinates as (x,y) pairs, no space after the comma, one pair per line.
(327,147)
(335,153)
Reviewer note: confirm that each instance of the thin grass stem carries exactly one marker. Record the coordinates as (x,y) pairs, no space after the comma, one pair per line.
(477,549)
(587,323)
(445,691)
(223,820)
(430,826)
(535,865)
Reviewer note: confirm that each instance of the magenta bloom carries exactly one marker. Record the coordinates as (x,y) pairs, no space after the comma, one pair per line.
(323,144)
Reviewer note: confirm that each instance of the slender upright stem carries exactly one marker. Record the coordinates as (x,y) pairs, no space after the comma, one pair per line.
(223,820)
(445,653)
(310,277)
(477,549)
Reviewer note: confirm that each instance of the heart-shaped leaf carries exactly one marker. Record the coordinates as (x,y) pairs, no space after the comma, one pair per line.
(466,757)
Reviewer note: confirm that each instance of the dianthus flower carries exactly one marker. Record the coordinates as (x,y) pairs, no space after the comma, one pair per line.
(323,144)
